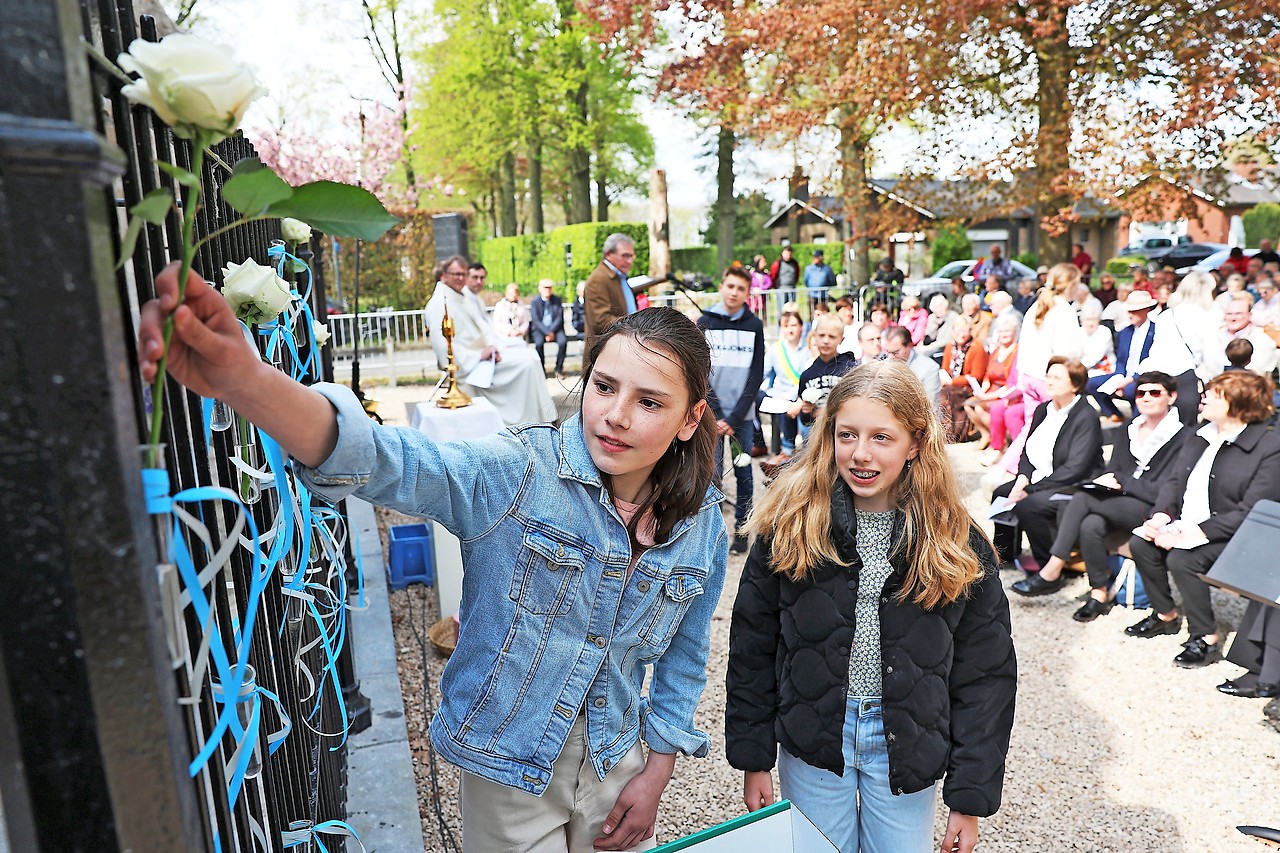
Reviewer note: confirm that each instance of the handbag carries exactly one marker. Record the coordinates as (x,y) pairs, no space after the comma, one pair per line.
(1126,583)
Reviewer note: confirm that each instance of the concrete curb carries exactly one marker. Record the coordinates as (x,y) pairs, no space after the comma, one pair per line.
(382,794)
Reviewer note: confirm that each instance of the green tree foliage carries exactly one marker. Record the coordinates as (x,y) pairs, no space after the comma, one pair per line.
(950,243)
(752,211)
(520,105)
(1262,223)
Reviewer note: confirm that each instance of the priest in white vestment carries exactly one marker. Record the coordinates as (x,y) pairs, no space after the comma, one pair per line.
(518,389)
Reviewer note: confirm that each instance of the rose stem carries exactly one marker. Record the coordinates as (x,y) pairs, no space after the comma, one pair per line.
(188,255)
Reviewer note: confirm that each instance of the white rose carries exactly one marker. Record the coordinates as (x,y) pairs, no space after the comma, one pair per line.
(191,84)
(742,460)
(295,230)
(255,292)
(812,396)
(321,331)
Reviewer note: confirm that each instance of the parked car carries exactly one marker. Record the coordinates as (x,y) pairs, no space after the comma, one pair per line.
(940,281)
(1157,244)
(1183,257)
(1214,262)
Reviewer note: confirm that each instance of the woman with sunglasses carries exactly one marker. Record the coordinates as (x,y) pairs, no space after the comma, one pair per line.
(1119,500)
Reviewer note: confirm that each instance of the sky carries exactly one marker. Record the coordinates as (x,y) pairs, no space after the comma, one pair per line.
(316,54)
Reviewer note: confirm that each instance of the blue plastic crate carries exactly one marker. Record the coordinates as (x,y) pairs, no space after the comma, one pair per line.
(412,556)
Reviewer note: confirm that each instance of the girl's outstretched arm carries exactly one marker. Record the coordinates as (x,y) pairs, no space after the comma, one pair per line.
(209,354)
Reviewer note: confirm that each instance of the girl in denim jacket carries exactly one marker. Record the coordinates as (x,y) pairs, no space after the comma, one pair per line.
(870,652)
(594,552)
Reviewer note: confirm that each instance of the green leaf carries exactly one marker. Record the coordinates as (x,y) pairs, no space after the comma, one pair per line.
(129,241)
(154,207)
(252,191)
(295,266)
(182,176)
(338,210)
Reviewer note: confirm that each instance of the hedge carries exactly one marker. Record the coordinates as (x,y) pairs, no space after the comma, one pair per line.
(1120,266)
(531,257)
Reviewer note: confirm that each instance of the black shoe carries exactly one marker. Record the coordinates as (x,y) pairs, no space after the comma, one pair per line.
(1256,690)
(1199,653)
(1154,626)
(739,545)
(1092,609)
(1037,585)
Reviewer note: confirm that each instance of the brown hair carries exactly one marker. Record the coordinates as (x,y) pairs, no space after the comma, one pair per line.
(1076,371)
(681,477)
(738,271)
(1248,395)
(937,528)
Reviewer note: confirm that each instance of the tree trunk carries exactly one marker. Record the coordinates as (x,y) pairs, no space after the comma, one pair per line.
(602,199)
(856,201)
(726,207)
(659,226)
(491,212)
(1053,137)
(535,185)
(580,166)
(507,195)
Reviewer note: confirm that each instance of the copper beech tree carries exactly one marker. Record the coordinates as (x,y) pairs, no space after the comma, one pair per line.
(1046,101)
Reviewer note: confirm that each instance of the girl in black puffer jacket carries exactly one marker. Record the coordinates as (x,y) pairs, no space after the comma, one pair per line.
(877,656)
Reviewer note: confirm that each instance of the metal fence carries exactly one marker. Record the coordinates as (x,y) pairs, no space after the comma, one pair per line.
(265,758)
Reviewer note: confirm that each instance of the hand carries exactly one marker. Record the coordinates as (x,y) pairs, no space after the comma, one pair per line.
(1019,490)
(550,338)
(1108,481)
(795,408)
(806,407)
(961,834)
(490,353)
(208,352)
(1152,526)
(723,426)
(634,813)
(757,789)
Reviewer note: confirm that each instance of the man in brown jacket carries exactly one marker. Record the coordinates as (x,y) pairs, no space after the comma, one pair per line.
(608,296)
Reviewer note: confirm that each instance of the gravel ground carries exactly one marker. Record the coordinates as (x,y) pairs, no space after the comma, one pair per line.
(1114,748)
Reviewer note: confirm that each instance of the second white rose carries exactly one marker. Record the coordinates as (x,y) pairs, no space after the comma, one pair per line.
(295,230)
(255,292)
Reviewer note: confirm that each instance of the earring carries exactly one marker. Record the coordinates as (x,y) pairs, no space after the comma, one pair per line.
(907,468)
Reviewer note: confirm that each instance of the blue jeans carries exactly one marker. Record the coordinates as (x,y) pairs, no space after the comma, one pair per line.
(857,811)
(745,434)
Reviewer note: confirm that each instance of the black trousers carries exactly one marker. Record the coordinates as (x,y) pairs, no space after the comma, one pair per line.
(1085,523)
(1188,402)
(1037,517)
(540,342)
(1156,565)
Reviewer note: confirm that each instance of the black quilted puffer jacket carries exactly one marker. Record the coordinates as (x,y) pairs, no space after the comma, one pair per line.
(949,674)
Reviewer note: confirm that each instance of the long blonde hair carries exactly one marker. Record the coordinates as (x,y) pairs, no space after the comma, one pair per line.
(1196,288)
(936,534)
(1062,278)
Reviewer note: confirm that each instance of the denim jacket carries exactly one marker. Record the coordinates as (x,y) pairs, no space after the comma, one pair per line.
(552,625)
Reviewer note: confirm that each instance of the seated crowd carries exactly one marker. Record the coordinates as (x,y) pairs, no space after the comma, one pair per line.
(1092,403)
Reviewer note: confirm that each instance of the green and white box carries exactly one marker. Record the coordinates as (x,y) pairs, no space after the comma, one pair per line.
(779,828)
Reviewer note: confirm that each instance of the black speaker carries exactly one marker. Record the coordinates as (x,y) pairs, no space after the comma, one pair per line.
(451,235)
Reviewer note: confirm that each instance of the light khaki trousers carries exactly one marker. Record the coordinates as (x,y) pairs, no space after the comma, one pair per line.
(565,819)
